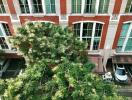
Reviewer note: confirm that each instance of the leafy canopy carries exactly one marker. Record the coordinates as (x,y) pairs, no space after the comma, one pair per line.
(45,40)
(57,68)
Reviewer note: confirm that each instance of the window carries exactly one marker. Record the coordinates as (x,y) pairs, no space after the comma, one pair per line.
(24,6)
(2,9)
(4,31)
(76,6)
(37,6)
(90,6)
(125,40)
(103,6)
(50,6)
(3,43)
(89,32)
(129,7)
(97,35)
(77,29)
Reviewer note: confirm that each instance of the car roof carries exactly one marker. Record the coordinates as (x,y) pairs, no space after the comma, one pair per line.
(120,67)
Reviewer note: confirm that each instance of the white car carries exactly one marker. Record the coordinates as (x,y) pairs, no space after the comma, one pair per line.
(120,73)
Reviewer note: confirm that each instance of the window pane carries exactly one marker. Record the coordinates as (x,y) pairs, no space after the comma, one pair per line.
(77,29)
(129,45)
(88,40)
(125,29)
(6,29)
(98,30)
(3,43)
(103,6)
(24,6)
(129,6)
(121,41)
(90,6)
(76,6)
(96,43)
(123,38)
(131,34)
(2,9)
(1,33)
(120,44)
(119,48)
(37,6)
(87,29)
(50,6)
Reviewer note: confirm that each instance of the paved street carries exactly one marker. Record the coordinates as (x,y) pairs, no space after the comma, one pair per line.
(125,92)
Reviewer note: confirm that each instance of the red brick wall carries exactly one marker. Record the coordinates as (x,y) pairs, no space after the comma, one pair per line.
(63,7)
(8,20)
(104,19)
(118,32)
(54,19)
(117,6)
(11,6)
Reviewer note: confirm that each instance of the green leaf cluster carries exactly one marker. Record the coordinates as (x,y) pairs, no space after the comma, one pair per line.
(57,67)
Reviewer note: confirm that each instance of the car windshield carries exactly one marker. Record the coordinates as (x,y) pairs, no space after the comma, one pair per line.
(120,71)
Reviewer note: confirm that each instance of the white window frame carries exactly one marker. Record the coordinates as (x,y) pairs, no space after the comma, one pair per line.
(126,38)
(129,7)
(43,21)
(93,32)
(4,35)
(4,8)
(38,14)
(83,8)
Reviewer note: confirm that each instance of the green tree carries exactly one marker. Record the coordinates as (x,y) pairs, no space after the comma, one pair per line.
(57,68)
(44,40)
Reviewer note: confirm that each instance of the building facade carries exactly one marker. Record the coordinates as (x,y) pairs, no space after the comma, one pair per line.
(106,25)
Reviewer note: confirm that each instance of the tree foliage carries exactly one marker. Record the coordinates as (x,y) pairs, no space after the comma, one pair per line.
(57,68)
(45,40)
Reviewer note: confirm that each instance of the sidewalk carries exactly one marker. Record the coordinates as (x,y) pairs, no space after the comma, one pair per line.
(125,91)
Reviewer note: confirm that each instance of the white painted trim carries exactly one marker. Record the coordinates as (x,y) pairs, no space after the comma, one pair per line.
(123,6)
(17,6)
(5,14)
(96,6)
(81,31)
(3,22)
(6,7)
(130,6)
(63,20)
(126,38)
(3,31)
(94,52)
(92,38)
(118,17)
(122,53)
(4,35)
(37,14)
(93,32)
(43,7)
(69,7)
(30,5)
(89,14)
(43,21)
(88,21)
(101,36)
(57,8)
(83,6)
(127,22)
